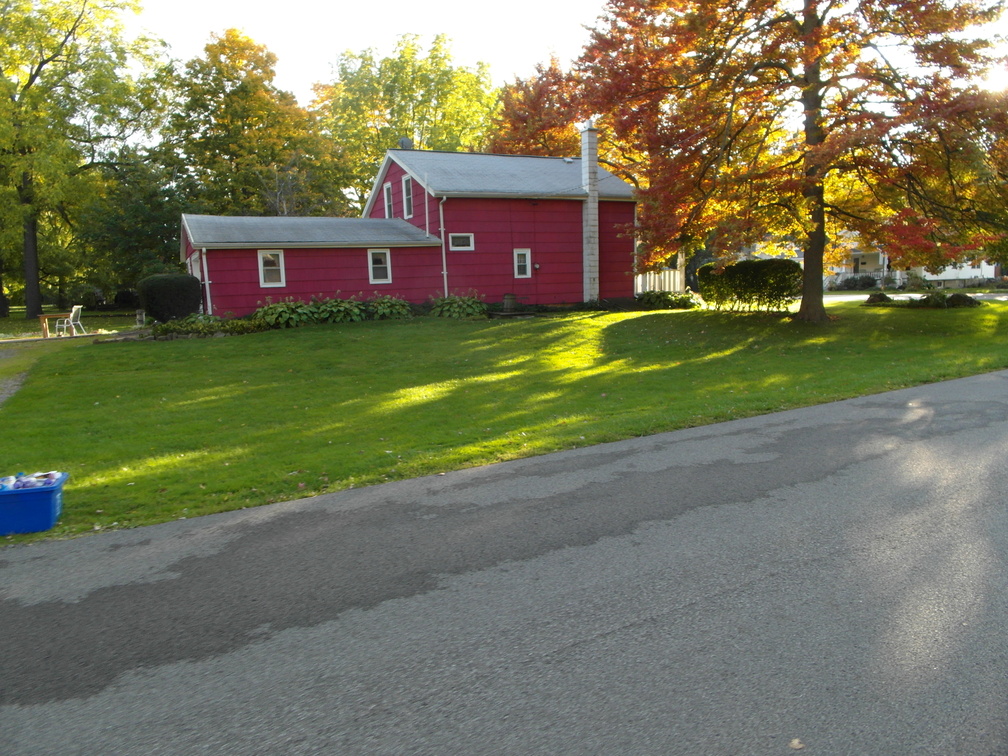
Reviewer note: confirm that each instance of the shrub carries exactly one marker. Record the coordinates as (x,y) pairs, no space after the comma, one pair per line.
(167,296)
(455,306)
(339,310)
(917,282)
(290,313)
(959,299)
(934,299)
(858,283)
(206,325)
(769,285)
(667,300)
(385,307)
(879,298)
(715,285)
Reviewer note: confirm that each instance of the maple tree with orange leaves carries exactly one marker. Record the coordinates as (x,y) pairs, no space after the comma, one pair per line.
(805,120)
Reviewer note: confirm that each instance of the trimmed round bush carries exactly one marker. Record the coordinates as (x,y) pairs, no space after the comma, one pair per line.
(167,296)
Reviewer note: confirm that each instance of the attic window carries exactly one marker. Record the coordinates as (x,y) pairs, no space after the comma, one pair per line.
(461,242)
(407,196)
(271,268)
(388,201)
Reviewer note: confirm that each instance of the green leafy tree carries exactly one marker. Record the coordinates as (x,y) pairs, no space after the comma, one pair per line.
(129,222)
(244,146)
(68,95)
(373,104)
(782,118)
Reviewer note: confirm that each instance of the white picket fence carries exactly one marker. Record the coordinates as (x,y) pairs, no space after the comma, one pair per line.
(663,280)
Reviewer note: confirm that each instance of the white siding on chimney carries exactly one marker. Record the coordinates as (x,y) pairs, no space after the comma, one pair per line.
(590,220)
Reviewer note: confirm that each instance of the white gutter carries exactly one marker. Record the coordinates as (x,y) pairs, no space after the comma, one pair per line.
(444,245)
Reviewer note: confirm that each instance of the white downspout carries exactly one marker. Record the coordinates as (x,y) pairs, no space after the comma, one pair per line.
(444,246)
(206,282)
(426,212)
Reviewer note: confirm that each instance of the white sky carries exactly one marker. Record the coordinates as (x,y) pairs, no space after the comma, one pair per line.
(307,36)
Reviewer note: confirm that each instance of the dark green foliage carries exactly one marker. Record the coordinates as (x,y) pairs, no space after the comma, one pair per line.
(338,310)
(126,299)
(133,226)
(858,283)
(767,285)
(292,313)
(959,299)
(715,286)
(288,314)
(207,325)
(941,300)
(879,298)
(667,300)
(385,307)
(455,306)
(167,296)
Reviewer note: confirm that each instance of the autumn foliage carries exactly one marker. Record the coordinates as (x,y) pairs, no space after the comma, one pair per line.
(771,120)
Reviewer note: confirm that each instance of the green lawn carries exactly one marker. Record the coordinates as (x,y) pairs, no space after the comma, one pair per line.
(152,431)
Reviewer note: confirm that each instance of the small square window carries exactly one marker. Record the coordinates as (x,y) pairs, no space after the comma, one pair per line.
(461,242)
(379,266)
(523,263)
(271,268)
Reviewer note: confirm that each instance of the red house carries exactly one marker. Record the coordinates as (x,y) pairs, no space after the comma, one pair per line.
(547,230)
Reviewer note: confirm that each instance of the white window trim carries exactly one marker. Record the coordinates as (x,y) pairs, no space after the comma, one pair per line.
(407,194)
(461,247)
(388,266)
(527,254)
(387,194)
(263,283)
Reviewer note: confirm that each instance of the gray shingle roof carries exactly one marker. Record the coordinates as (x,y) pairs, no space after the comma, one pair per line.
(221,231)
(448,174)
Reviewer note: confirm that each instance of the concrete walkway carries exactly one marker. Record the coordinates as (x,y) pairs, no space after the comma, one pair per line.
(831,580)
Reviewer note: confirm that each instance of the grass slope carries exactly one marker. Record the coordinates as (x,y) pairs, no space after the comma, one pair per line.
(151,431)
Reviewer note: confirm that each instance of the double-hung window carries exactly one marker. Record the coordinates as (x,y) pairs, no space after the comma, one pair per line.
(387,193)
(523,263)
(407,196)
(379,266)
(271,268)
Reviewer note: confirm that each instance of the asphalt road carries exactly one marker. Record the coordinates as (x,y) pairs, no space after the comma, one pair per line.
(832,580)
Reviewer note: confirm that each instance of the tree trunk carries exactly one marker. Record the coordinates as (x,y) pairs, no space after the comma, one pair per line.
(812,308)
(33,293)
(4,302)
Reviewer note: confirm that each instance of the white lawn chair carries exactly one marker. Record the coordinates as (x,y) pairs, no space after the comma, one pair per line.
(72,323)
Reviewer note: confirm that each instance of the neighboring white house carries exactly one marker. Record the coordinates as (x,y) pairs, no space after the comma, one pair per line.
(874,264)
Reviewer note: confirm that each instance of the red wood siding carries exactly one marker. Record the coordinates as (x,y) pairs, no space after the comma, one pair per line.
(425,207)
(323,273)
(551,229)
(616,250)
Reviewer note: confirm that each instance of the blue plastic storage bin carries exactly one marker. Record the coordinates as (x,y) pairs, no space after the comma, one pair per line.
(31,510)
